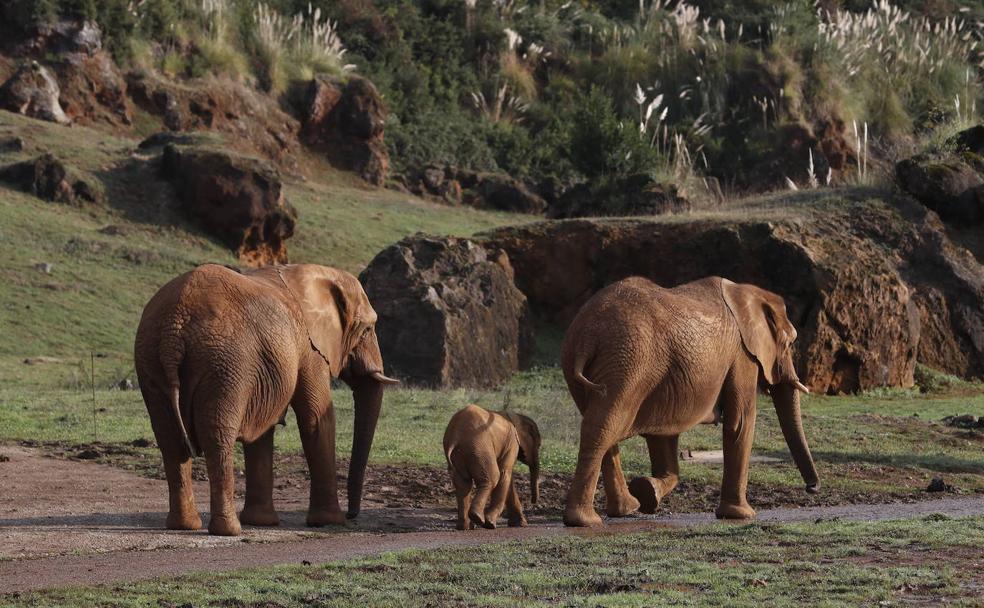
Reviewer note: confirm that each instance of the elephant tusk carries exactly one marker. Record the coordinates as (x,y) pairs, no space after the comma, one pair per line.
(379,377)
(799,385)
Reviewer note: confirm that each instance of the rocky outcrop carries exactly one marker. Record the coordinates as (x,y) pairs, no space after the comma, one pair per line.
(949,182)
(631,195)
(872,287)
(90,87)
(345,121)
(33,91)
(449,314)
(48,178)
(254,121)
(238,200)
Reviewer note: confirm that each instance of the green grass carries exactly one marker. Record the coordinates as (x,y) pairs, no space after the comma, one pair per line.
(91,302)
(926,561)
(92,299)
(870,447)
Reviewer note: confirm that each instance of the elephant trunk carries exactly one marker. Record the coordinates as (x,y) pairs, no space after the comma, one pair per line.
(786,398)
(535,480)
(368,394)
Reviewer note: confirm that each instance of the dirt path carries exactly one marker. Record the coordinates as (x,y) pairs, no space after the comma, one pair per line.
(72,523)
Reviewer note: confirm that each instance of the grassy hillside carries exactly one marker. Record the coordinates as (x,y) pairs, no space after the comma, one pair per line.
(99,282)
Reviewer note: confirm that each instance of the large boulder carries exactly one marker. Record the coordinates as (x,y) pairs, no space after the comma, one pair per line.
(345,121)
(871,286)
(237,199)
(33,91)
(49,178)
(950,180)
(951,187)
(449,313)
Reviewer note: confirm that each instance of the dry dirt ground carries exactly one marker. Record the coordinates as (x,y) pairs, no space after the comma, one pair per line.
(66,522)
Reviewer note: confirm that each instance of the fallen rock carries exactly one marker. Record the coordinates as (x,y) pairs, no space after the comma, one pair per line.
(449,314)
(12,144)
(964,421)
(939,485)
(33,91)
(345,121)
(237,199)
(48,178)
(632,195)
(907,292)
(503,193)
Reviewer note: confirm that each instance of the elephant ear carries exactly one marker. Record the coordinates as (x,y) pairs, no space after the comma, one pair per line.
(756,316)
(331,306)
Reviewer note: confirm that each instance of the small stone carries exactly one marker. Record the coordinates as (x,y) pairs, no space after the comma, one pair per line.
(938,485)
(45,267)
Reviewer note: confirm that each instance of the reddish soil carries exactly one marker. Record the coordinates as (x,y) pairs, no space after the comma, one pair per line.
(66,522)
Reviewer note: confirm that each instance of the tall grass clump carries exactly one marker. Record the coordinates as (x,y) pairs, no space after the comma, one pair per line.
(297,48)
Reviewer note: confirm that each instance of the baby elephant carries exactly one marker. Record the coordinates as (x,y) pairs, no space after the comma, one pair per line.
(481,448)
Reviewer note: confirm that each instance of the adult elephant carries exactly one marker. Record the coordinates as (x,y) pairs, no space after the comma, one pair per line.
(221,354)
(643,360)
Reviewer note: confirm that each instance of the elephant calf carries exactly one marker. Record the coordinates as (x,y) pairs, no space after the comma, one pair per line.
(481,448)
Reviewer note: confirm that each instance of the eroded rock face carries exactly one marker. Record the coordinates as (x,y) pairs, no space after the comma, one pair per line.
(449,313)
(239,200)
(93,89)
(255,121)
(33,91)
(870,286)
(346,122)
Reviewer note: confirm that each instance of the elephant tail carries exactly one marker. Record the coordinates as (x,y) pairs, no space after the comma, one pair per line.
(579,364)
(172,353)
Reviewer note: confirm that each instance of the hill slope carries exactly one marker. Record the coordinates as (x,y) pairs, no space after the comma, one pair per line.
(100,278)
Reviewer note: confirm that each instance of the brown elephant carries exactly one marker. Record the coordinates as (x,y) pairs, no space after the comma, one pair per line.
(481,448)
(221,354)
(643,360)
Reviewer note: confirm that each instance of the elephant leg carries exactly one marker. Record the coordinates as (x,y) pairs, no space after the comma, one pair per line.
(221,478)
(259,510)
(182,512)
(514,508)
(739,431)
(497,504)
(462,491)
(484,485)
(599,433)
(618,501)
(664,462)
(318,439)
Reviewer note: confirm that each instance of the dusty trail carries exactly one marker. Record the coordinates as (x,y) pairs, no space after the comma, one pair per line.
(115,517)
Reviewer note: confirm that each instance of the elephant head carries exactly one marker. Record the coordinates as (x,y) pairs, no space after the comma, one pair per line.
(768,336)
(341,326)
(529,449)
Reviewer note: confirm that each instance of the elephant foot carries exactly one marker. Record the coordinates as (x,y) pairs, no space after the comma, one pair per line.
(475,519)
(224,525)
(646,491)
(621,506)
(257,515)
(517,522)
(464,525)
(184,521)
(582,518)
(317,518)
(734,511)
